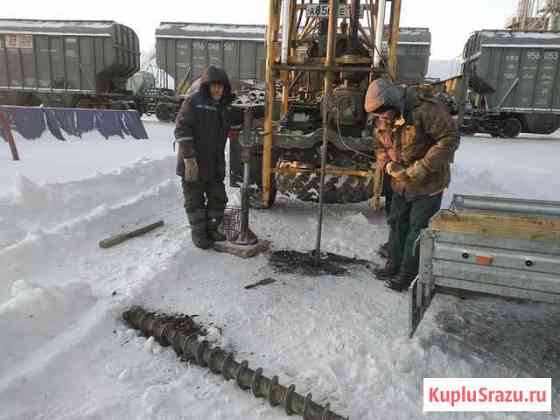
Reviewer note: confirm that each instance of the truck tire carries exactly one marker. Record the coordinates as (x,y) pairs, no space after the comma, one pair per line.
(511,128)
(163,112)
(338,189)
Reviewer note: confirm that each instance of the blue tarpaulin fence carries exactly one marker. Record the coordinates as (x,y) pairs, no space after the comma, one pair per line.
(32,122)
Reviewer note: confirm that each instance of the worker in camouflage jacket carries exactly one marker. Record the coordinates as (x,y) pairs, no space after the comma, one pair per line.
(201,130)
(416,139)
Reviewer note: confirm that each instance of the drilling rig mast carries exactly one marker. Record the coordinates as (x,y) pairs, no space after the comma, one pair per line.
(536,15)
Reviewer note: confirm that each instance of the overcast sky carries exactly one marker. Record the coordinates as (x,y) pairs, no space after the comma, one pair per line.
(450,21)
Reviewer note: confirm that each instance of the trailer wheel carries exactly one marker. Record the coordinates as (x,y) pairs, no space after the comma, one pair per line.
(511,128)
(338,189)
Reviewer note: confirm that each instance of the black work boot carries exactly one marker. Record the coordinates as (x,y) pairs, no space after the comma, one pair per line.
(400,282)
(200,237)
(383,251)
(387,272)
(199,234)
(215,230)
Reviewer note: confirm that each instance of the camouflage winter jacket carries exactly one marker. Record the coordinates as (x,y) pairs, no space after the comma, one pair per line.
(428,135)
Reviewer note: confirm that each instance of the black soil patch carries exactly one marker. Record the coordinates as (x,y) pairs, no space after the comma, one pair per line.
(303,263)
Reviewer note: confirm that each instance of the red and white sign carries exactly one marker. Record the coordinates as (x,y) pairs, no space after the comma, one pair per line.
(23,41)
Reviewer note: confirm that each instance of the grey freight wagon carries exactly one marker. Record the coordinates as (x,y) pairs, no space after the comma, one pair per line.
(184,50)
(65,63)
(413,54)
(514,80)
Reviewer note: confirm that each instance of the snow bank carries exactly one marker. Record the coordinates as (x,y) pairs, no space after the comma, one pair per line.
(36,206)
(36,315)
(42,195)
(48,160)
(79,236)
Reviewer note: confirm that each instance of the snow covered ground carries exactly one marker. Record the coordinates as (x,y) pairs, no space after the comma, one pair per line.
(66,354)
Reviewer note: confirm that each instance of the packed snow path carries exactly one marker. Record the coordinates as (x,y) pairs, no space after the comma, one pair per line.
(65,353)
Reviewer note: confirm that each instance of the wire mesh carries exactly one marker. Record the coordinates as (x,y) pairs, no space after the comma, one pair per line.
(232,223)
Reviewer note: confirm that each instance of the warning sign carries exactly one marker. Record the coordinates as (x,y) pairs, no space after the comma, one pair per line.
(22,41)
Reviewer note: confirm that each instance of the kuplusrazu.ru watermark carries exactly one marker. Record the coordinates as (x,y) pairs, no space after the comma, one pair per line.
(487,394)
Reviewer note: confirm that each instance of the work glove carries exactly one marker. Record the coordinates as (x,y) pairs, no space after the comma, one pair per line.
(397,171)
(417,172)
(191,170)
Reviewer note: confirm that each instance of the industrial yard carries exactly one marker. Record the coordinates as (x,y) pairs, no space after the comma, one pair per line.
(325,209)
(342,338)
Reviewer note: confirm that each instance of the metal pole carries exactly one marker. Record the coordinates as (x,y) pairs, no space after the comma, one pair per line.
(247,132)
(525,7)
(246,237)
(321,67)
(333,9)
(272,29)
(373,7)
(355,24)
(285,31)
(5,124)
(287,7)
(463,96)
(395,34)
(379,29)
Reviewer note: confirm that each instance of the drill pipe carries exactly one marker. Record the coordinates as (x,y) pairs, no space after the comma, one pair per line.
(202,353)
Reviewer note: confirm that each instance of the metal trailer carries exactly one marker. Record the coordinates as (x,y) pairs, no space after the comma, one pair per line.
(184,50)
(69,63)
(514,80)
(494,246)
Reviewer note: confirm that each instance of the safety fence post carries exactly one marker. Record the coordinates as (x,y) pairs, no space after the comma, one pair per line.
(5,125)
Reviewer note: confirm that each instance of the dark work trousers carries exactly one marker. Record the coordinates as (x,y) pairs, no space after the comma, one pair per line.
(407,220)
(388,194)
(204,201)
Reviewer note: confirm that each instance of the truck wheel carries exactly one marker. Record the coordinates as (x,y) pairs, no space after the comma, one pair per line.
(338,189)
(511,128)
(163,112)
